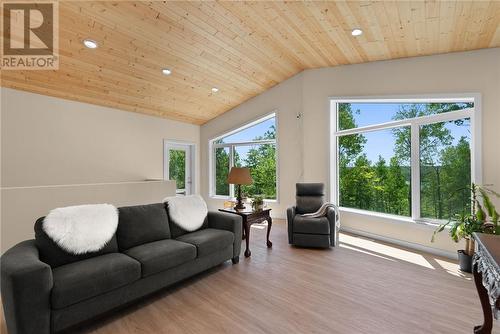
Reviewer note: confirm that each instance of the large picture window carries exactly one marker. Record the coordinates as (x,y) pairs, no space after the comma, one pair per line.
(410,158)
(252,146)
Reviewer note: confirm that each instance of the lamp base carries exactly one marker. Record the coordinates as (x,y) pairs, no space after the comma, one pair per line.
(239,204)
(239,199)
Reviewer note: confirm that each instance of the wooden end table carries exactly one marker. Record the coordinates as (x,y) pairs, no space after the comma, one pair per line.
(250,217)
(486,271)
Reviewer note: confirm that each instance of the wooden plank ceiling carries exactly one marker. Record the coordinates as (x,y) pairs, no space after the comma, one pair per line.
(243,48)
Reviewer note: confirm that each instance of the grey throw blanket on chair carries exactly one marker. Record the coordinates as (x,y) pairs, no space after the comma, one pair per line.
(322,212)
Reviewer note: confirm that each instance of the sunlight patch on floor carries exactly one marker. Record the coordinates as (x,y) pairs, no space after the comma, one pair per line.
(366,252)
(452,269)
(389,251)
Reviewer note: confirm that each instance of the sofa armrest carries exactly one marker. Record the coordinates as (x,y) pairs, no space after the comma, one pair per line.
(26,286)
(228,222)
(334,226)
(290,215)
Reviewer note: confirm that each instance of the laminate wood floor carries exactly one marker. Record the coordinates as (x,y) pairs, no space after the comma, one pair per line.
(363,286)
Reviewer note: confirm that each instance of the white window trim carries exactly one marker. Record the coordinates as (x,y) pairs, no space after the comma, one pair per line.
(473,113)
(212,146)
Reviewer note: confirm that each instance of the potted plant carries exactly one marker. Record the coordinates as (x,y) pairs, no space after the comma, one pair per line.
(483,218)
(258,203)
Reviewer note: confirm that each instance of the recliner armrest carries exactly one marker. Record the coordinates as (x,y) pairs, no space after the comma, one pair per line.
(26,287)
(290,215)
(334,228)
(228,222)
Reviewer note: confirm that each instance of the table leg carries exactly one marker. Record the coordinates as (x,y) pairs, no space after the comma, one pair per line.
(269,225)
(487,326)
(247,239)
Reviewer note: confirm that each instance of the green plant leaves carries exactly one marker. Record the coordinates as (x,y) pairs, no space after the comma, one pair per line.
(483,218)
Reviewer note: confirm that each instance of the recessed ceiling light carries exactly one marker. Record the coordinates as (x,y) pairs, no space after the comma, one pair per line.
(215,89)
(356,32)
(89,43)
(166,71)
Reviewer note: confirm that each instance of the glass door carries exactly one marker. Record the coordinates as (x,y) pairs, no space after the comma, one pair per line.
(178,166)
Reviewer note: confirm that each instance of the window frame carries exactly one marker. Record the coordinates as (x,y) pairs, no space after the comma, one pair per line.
(474,114)
(231,145)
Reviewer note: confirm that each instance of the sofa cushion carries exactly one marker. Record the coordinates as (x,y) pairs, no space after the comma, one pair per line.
(85,279)
(176,231)
(55,256)
(141,224)
(162,255)
(311,225)
(209,240)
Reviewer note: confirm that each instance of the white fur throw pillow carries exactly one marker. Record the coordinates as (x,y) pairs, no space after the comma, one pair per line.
(188,212)
(83,228)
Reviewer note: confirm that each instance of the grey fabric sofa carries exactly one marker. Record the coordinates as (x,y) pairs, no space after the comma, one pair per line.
(46,290)
(311,232)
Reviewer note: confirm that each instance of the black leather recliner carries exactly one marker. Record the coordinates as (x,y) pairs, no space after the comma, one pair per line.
(319,232)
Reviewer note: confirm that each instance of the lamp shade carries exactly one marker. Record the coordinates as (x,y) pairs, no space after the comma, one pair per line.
(239,175)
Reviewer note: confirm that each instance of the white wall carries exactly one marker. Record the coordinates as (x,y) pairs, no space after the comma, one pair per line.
(48,141)
(309,92)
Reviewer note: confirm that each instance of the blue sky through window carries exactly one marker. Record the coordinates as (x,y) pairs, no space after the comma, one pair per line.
(249,134)
(374,113)
(382,142)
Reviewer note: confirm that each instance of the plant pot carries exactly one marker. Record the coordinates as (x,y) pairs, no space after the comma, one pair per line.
(258,207)
(464,261)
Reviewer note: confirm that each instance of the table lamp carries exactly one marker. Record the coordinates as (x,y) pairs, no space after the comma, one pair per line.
(239,176)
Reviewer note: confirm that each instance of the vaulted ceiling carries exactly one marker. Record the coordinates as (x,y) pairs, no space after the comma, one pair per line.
(242,48)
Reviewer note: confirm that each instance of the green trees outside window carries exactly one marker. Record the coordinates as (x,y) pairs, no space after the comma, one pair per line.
(261,159)
(177,167)
(222,167)
(445,179)
(253,147)
(381,182)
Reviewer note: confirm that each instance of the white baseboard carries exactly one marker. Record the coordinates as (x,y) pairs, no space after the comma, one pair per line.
(422,248)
